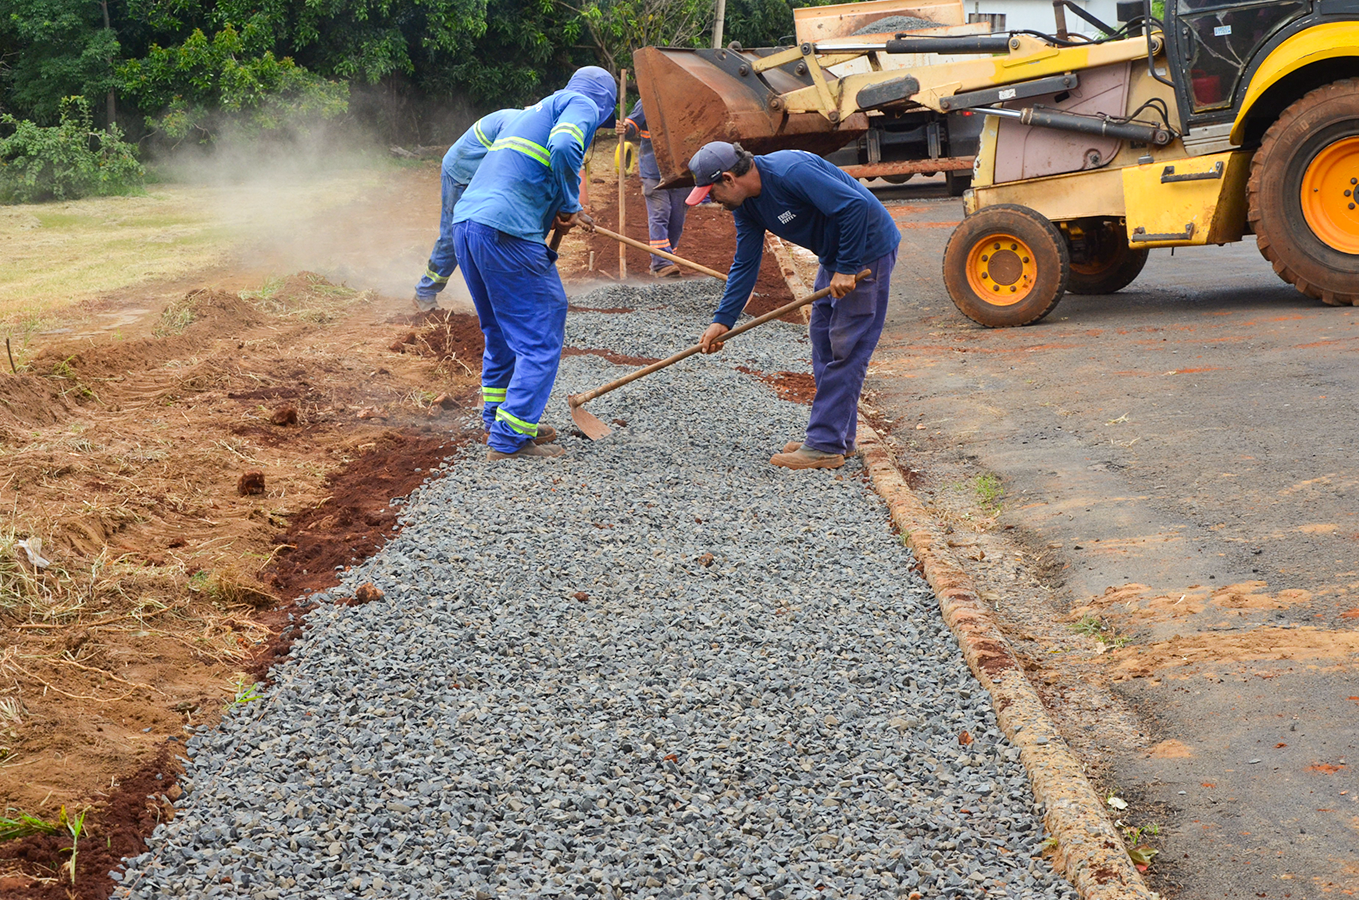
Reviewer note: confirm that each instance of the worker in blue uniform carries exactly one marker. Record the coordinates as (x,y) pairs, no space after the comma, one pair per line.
(806,200)
(665,207)
(459,165)
(528,182)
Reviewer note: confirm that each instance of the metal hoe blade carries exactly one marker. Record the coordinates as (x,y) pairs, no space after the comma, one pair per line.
(587,422)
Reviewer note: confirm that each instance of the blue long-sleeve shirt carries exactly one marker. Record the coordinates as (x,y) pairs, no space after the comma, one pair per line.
(532,171)
(808,201)
(646,154)
(465,156)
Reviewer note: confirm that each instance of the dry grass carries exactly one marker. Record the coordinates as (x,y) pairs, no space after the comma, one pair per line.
(58,255)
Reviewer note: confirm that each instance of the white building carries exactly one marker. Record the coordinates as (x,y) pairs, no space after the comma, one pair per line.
(1036,15)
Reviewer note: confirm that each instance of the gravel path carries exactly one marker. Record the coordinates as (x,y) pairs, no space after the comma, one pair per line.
(658,667)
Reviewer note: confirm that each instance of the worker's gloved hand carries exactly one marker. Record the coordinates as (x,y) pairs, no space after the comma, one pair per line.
(711,341)
(841,284)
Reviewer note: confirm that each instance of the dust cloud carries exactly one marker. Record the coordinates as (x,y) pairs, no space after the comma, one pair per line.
(330,200)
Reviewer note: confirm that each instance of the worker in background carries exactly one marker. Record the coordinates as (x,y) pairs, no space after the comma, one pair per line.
(665,207)
(460,164)
(528,182)
(804,199)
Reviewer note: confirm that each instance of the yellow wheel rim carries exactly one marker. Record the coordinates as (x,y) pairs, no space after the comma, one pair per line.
(1001,270)
(1328,195)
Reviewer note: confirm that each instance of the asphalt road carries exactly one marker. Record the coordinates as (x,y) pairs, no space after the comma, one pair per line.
(1194,432)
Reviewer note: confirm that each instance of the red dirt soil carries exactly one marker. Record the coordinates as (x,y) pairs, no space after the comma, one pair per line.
(797,387)
(709,239)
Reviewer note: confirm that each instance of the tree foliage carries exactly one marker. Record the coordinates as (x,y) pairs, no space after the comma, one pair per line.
(617,27)
(188,69)
(65,161)
(198,83)
(60,48)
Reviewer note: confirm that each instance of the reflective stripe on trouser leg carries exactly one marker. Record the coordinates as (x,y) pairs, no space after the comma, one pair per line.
(497,360)
(528,304)
(844,334)
(664,219)
(491,398)
(443,259)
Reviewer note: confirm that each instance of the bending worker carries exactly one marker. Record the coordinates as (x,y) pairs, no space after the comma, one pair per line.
(529,180)
(804,199)
(460,164)
(665,208)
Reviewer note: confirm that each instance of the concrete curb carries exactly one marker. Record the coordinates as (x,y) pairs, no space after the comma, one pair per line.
(1089,852)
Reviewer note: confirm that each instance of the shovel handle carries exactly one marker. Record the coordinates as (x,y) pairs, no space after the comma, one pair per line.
(577,399)
(678,260)
(557,235)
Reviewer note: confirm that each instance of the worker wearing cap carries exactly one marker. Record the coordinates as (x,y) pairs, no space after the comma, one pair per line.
(804,199)
(665,207)
(459,165)
(529,180)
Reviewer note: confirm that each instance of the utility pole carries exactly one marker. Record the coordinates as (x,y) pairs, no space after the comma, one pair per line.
(717,23)
(111,99)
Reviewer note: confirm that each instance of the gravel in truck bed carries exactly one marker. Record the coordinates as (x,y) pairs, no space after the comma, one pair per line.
(658,667)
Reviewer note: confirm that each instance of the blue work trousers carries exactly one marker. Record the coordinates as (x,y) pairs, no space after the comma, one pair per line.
(443,259)
(844,334)
(521,304)
(665,211)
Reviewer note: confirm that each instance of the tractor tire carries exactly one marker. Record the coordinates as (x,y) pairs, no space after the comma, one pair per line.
(1301,191)
(1006,265)
(1109,263)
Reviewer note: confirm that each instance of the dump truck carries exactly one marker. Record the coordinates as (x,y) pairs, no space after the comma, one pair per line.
(1223,120)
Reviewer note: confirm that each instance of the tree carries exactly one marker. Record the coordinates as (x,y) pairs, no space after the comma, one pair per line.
(61,48)
(65,161)
(618,27)
(197,85)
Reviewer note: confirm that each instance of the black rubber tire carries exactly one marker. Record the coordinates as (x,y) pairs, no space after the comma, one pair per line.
(1299,257)
(1112,264)
(1049,255)
(898,179)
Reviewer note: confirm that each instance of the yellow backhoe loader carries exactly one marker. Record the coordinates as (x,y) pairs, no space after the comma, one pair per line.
(1228,118)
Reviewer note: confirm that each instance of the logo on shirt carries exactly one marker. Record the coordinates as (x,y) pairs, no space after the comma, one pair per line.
(787,216)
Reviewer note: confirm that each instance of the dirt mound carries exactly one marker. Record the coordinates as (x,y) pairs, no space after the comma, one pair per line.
(443,335)
(123,457)
(27,401)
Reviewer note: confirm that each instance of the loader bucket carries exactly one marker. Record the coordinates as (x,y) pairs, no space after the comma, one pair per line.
(692,97)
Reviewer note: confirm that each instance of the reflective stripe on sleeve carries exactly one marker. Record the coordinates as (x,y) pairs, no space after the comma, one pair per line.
(568,128)
(481,135)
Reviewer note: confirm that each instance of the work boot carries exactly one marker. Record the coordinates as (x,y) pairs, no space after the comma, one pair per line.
(793,445)
(805,457)
(423,304)
(670,271)
(546,434)
(528,451)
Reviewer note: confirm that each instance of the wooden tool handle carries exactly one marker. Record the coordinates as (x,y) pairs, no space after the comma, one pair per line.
(577,399)
(557,235)
(624,239)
